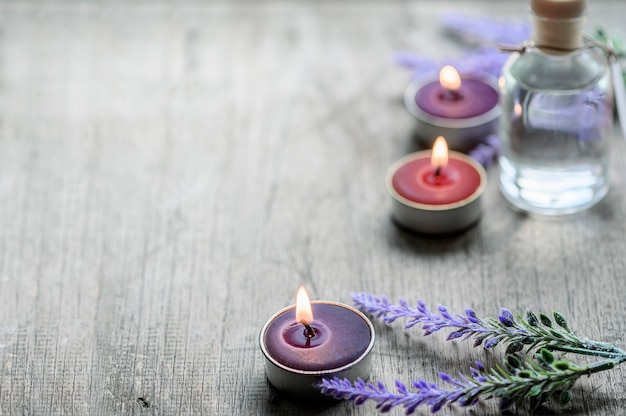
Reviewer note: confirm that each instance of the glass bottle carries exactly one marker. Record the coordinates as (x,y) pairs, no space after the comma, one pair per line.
(557,106)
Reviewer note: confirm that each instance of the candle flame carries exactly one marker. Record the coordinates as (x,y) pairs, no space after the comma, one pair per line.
(303,306)
(449,78)
(439,155)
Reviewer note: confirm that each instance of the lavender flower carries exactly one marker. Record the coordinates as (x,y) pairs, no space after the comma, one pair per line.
(513,383)
(530,378)
(483,33)
(482,30)
(417,63)
(487,152)
(534,332)
(486,61)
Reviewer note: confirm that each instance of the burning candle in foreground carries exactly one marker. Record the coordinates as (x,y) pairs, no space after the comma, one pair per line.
(464,109)
(436,192)
(306,342)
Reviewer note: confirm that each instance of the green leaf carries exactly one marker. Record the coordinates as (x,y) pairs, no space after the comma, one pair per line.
(524,374)
(513,361)
(565,397)
(514,347)
(531,318)
(555,334)
(535,390)
(536,346)
(560,320)
(545,320)
(561,365)
(547,356)
(501,392)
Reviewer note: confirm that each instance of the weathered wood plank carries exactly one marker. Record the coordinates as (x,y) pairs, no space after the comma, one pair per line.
(169,174)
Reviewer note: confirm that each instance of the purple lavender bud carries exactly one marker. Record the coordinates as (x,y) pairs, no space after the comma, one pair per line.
(442,309)
(479,366)
(436,406)
(456,334)
(507,313)
(506,321)
(479,340)
(471,316)
(479,29)
(446,377)
(415,62)
(420,384)
(493,141)
(385,407)
(360,400)
(411,323)
(401,387)
(492,342)
(463,402)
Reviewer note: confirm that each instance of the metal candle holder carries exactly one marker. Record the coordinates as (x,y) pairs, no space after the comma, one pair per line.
(431,218)
(462,134)
(301,383)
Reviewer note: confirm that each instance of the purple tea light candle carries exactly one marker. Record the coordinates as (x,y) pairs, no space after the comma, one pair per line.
(306,342)
(463,109)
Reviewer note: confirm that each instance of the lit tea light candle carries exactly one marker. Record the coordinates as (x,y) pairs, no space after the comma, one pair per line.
(308,341)
(436,191)
(463,109)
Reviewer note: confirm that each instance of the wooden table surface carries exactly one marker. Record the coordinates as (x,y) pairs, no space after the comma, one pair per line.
(171,173)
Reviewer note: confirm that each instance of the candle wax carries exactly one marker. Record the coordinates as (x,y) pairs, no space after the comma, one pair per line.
(341,337)
(472,99)
(417,182)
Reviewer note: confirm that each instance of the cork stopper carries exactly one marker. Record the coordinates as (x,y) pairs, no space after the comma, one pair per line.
(558,9)
(558,24)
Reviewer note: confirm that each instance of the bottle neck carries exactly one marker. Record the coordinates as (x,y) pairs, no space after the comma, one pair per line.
(558,36)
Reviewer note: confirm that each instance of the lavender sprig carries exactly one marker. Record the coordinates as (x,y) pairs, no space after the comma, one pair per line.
(529,378)
(484,34)
(487,152)
(481,30)
(513,383)
(485,61)
(533,332)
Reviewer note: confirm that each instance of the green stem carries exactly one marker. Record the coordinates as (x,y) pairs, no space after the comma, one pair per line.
(619,356)
(602,366)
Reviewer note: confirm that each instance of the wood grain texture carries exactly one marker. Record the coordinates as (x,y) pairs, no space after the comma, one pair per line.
(170,173)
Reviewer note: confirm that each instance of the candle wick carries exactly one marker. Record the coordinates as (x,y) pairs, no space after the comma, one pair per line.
(437,172)
(451,95)
(308,331)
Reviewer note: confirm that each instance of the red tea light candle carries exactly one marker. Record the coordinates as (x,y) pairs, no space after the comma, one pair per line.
(436,192)
(463,109)
(308,341)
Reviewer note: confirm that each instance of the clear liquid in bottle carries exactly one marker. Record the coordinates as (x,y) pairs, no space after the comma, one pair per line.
(555,128)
